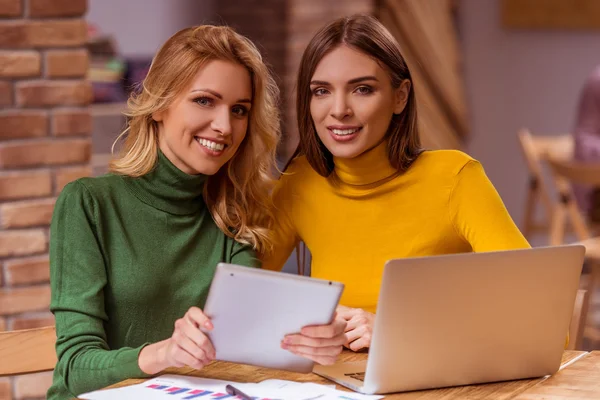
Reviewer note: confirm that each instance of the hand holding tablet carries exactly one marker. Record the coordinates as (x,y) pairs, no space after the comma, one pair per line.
(253,310)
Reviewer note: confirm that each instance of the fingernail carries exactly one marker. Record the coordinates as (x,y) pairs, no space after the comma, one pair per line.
(284,346)
(208,325)
(287,340)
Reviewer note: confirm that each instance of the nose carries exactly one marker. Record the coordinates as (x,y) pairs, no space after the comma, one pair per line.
(221,122)
(340,108)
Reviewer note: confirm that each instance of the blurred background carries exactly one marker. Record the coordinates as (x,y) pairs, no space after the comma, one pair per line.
(511,82)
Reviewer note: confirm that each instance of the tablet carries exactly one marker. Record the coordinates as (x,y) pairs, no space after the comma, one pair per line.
(252,310)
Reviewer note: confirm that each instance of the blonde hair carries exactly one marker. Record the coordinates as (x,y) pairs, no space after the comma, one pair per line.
(238,196)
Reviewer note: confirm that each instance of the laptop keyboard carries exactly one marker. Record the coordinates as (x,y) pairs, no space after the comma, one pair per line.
(356,375)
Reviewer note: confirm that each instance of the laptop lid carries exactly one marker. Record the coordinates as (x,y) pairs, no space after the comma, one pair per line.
(472,318)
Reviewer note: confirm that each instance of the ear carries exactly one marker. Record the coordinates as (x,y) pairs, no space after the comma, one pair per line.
(401,96)
(158,116)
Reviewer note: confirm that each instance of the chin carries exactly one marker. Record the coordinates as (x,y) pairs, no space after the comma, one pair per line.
(349,152)
(208,170)
(203,168)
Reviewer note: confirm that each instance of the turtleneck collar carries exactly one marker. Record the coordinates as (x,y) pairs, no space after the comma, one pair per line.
(368,168)
(169,189)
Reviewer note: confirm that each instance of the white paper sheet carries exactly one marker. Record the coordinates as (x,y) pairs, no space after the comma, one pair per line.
(179,387)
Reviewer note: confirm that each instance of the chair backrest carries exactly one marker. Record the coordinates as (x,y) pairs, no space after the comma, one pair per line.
(564,173)
(27,351)
(577,326)
(575,171)
(536,149)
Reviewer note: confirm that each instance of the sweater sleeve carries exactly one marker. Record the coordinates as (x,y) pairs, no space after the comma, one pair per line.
(243,254)
(284,234)
(78,281)
(479,215)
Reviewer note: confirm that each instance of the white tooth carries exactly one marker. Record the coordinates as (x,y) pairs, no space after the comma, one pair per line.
(344,132)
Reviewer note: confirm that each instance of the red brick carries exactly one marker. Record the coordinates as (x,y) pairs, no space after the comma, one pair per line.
(29,270)
(16,124)
(71,122)
(57,8)
(11,8)
(28,34)
(53,93)
(32,385)
(20,300)
(5,389)
(32,320)
(6,94)
(22,242)
(20,64)
(47,152)
(67,63)
(25,214)
(66,175)
(19,185)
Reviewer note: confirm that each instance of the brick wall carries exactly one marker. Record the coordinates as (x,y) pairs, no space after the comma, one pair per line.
(44,143)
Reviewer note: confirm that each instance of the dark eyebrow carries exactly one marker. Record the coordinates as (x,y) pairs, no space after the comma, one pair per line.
(362,79)
(350,82)
(219,96)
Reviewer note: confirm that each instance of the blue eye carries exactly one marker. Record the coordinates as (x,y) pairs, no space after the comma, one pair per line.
(320,92)
(204,101)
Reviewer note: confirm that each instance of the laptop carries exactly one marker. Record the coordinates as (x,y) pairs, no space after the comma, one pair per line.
(468,318)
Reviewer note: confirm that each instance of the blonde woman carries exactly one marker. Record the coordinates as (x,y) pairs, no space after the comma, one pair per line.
(132,253)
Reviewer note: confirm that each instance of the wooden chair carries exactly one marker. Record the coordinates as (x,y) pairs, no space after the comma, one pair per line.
(27,351)
(536,149)
(566,173)
(577,325)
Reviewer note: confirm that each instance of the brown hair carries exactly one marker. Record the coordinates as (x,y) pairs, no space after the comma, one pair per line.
(369,36)
(238,195)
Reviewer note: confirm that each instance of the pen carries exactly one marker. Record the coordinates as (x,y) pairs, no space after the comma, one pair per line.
(237,392)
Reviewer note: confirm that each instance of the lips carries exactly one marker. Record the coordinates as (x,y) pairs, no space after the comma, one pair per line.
(344,133)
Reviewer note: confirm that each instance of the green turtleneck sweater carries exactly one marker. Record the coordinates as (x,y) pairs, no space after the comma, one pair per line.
(128,257)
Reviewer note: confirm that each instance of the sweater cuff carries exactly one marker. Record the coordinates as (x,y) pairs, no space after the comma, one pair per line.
(129,361)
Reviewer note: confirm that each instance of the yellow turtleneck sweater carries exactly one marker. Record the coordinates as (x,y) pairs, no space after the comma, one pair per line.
(368,213)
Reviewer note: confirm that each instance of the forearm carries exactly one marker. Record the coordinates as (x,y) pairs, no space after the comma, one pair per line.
(87,369)
(85,361)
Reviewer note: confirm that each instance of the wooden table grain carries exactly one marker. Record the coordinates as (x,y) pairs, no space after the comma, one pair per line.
(578,381)
(246,373)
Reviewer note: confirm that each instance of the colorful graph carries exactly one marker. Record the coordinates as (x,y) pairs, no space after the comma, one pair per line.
(188,394)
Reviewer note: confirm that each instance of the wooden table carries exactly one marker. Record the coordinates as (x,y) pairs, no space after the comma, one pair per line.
(574,376)
(578,381)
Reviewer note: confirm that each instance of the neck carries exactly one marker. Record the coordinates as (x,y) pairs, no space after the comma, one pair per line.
(370,167)
(169,189)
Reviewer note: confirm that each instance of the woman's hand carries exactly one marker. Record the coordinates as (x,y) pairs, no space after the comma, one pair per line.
(187,346)
(321,343)
(359,328)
